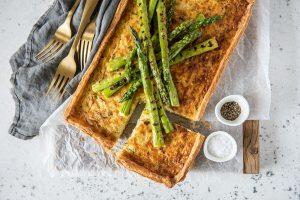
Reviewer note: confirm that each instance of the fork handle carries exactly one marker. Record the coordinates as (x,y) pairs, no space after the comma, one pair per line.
(71,12)
(89,8)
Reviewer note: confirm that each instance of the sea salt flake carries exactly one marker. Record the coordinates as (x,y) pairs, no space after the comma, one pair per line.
(220,146)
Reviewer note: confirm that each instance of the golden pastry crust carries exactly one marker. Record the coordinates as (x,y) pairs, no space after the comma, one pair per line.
(167,165)
(195,79)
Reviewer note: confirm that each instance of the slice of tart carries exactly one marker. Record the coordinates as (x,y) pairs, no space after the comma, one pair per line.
(167,165)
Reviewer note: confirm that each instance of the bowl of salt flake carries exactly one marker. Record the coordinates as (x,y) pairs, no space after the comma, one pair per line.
(220,147)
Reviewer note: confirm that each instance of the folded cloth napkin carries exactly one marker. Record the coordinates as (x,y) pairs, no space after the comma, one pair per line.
(31,78)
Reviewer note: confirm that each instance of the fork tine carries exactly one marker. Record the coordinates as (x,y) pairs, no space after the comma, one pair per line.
(86,51)
(82,54)
(53,53)
(61,96)
(45,48)
(52,83)
(49,50)
(78,51)
(89,50)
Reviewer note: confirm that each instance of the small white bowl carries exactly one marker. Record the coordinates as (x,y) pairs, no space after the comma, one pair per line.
(244,110)
(214,158)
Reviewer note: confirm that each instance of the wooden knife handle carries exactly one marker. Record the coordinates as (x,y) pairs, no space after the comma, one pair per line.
(251,147)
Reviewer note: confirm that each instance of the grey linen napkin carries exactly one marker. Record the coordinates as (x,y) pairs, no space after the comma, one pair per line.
(31,78)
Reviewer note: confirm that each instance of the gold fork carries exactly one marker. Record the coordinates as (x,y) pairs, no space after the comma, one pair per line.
(67,67)
(59,39)
(86,43)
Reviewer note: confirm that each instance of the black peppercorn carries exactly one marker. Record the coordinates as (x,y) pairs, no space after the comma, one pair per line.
(231,110)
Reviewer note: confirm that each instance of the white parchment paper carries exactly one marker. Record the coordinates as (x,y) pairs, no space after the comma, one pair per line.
(67,151)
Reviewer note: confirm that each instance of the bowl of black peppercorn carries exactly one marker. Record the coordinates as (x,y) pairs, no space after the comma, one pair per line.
(232,110)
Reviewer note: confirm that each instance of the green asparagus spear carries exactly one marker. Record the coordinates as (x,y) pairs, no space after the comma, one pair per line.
(198,49)
(120,83)
(179,29)
(209,20)
(163,39)
(99,86)
(108,92)
(151,10)
(185,27)
(128,66)
(167,125)
(155,40)
(145,30)
(157,137)
(178,46)
(155,36)
(170,12)
(116,63)
(200,22)
(131,90)
(126,107)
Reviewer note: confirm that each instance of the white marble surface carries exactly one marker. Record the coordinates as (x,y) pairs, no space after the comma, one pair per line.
(20,167)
